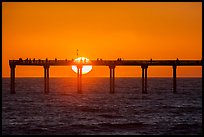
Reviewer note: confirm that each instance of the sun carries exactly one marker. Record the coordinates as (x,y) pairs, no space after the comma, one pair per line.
(85,69)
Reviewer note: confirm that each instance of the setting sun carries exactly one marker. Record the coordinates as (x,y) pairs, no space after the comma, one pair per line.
(85,69)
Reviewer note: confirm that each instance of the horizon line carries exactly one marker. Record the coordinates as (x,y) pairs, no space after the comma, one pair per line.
(108,77)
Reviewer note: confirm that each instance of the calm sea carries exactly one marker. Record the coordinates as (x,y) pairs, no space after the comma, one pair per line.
(127,112)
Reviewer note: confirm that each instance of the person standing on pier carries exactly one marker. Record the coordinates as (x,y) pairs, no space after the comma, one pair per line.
(177,60)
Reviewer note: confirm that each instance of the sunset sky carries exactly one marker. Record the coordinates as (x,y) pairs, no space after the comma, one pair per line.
(110,30)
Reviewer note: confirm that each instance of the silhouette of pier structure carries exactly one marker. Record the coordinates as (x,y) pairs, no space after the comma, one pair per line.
(112,64)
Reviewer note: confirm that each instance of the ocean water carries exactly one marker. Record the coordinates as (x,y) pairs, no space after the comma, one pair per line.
(127,112)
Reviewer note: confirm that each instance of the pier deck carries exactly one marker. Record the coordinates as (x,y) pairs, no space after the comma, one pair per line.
(110,63)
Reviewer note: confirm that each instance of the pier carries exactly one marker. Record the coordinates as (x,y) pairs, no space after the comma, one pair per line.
(112,64)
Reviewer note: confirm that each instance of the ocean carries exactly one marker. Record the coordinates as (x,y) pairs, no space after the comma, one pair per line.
(97,112)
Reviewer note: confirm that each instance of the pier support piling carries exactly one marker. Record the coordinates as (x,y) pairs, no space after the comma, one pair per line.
(174,79)
(79,78)
(12,86)
(112,78)
(46,79)
(144,78)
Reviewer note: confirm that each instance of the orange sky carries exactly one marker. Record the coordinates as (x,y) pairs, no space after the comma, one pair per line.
(102,30)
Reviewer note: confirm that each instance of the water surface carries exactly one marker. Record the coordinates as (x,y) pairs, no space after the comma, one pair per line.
(96,111)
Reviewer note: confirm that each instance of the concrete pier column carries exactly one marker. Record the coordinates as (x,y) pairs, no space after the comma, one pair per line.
(12,86)
(48,79)
(45,79)
(112,78)
(144,78)
(174,79)
(79,78)
(111,86)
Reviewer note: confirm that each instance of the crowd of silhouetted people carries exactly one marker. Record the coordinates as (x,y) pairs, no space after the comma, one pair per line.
(46,60)
(29,60)
(34,60)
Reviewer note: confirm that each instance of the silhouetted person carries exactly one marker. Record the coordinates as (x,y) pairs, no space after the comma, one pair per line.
(151,60)
(20,60)
(55,59)
(46,60)
(34,60)
(177,60)
(65,59)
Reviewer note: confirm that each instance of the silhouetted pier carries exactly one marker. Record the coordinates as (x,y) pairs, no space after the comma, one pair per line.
(110,63)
